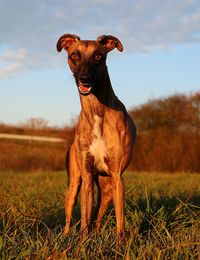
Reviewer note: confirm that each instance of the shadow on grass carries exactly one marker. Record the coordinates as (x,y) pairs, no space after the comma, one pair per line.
(57,219)
(170,210)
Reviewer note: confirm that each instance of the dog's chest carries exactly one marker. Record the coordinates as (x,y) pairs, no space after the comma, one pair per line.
(98,147)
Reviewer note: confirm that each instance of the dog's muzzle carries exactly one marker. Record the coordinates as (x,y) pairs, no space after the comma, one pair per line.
(85,84)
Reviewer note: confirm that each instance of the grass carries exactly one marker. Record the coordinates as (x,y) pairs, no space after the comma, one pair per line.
(162,219)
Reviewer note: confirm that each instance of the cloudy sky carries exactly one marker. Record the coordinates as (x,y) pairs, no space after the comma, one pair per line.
(161,52)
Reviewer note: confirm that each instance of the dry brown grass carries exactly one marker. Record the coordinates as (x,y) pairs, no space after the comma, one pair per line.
(28,156)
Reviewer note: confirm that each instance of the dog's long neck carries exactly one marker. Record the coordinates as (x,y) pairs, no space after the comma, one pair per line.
(101,97)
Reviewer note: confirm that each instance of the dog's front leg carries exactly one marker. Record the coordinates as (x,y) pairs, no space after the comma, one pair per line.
(74,179)
(87,200)
(70,200)
(105,197)
(118,199)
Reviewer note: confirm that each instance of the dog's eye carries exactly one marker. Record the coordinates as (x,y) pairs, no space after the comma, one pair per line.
(75,56)
(97,57)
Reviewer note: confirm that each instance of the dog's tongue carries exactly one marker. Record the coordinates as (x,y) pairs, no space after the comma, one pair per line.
(84,88)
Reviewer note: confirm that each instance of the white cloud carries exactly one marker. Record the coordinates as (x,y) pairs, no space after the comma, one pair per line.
(14,55)
(12,61)
(11,69)
(30,29)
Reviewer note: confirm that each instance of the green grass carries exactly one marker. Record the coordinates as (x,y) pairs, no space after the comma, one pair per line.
(162,219)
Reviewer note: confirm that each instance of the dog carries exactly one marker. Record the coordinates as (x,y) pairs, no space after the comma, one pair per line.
(105,134)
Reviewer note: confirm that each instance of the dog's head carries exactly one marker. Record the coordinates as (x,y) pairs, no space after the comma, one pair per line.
(87,59)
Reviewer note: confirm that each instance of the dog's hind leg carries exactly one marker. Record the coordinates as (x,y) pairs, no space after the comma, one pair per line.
(74,180)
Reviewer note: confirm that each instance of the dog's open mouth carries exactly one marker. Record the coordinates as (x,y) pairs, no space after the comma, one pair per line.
(84,88)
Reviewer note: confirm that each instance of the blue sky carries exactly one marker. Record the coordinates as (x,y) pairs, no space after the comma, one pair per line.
(161,53)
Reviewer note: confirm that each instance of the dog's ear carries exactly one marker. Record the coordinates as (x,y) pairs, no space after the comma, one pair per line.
(110,42)
(66,41)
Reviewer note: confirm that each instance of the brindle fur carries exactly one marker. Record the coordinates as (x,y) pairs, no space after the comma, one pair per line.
(105,134)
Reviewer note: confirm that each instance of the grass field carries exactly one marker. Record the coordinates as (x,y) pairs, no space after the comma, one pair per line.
(162,219)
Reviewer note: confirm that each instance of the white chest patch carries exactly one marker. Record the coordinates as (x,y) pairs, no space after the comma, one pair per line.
(98,148)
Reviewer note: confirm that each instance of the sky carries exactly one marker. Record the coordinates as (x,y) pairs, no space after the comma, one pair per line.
(161,54)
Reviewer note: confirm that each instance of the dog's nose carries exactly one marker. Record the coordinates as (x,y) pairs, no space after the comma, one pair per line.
(85,78)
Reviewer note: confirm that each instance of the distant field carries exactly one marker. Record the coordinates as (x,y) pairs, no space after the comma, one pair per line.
(162,219)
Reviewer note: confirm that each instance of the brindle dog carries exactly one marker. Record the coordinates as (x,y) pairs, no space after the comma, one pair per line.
(105,134)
